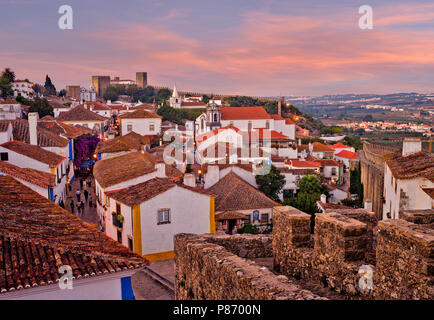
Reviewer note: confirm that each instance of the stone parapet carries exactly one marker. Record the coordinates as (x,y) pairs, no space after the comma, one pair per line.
(405,261)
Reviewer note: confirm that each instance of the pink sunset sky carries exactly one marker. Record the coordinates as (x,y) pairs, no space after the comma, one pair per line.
(235,47)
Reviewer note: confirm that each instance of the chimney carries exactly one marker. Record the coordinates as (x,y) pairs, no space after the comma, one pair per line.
(190,180)
(323,198)
(410,146)
(161,169)
(299,141)
(212,176)
(33,122)
(310,147)
(368,204)
(85,105)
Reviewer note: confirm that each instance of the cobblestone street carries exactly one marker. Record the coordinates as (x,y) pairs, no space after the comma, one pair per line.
(88,214)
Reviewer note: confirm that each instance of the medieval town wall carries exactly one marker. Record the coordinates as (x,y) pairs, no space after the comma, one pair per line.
(372,167)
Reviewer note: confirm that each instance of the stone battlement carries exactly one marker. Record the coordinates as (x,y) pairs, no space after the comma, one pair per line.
(349,255)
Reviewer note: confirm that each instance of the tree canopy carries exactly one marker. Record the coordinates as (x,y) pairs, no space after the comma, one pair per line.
(50,89)
(271,184)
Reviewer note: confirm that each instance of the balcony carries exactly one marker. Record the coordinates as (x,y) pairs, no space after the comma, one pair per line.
(118,221)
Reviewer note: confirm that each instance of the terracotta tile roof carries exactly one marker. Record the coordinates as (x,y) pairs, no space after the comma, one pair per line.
(420,164)
(34,152)
(339,145)
(140,114)
(301,172)
(244,113)
(144,191)
(347,154)
(193,104)
(429,191)
(79,113)
(37,237)
(9,101)
(61,128)
(204,136)
(277,117)
(303,163)
(330,163)
(233,193)
(227,215)
(96,105)
(320,147)
(301,147)
(261,133)
(289,121)
(130,141)
(57,105)
(39,178)
(128,166)
(46,138)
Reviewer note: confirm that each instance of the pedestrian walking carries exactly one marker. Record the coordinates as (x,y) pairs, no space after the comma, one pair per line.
(78,208)
(90,201)
(62,204)
(89,182)
(81,184)
(72,206)
(82,207)
(78,193)
(86,195)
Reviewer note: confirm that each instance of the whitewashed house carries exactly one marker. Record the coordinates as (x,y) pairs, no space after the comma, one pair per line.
(408,179)
(140,121)
(31,156)
(145,217)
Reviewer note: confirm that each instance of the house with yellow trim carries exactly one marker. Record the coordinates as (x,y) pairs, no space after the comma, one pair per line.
(145,217)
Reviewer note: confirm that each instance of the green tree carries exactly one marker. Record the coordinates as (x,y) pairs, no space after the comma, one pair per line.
(9,75)
(42,107)
(356,186)
(5,87)
(62,93)
(310,190)
(50,89)
(271,184)
(111,93)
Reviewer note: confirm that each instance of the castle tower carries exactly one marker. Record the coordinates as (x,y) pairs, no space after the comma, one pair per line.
(141,79)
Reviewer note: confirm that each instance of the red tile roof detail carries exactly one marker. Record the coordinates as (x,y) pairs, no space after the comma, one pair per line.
(347,154)
(244,113)
(34,152)
(140,114)
(147,190)
(320,147)
(233,193)
(39,178)
(340,145)
(37,236)
(303,164)
(79,113)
